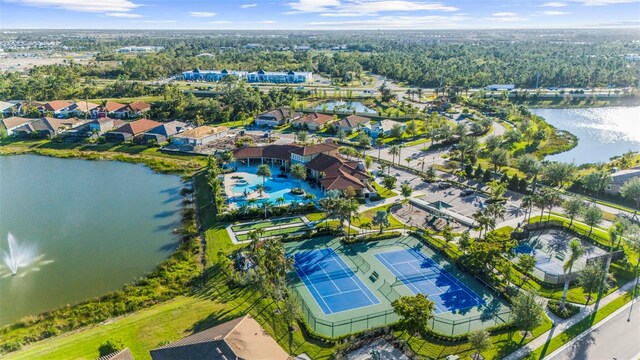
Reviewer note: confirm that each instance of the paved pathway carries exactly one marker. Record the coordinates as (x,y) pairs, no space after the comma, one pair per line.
(562,326)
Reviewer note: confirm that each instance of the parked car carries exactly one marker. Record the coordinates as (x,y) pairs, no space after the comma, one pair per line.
(466,192)
(444,185)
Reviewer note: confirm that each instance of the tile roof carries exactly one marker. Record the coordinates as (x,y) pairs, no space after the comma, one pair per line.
(241,338)
(315,149)
(315,118)
(168,129)
(14,121)
(56,105)
(137,127)
(85,106)
(352,121)
(270,151)
(5,105)
(202,131)
(280,113)
(137,106)
(112,106)
(123,354)
(338,172)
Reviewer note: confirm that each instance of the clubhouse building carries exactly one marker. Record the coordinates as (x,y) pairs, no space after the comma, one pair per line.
(260,76)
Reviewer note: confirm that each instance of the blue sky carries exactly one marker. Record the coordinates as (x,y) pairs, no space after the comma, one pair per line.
(317,14)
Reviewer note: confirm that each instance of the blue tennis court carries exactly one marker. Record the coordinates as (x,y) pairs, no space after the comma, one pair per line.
(424,276)
(333,285)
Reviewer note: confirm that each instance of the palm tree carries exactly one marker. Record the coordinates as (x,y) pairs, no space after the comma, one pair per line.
(526,202)
(264,171)
(422,161)
(349,209)
(366,226)
(260,188)
(379,145)
(394,151)
(408,160)
(267,206)
(280,200)
(251,202)
(299,172)
(575,251)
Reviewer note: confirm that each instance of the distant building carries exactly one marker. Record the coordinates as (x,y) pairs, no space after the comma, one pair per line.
(212,75)
(199,136)
(242,338)
(500,87)
(382,127)
(56,107)
(620,177)
(47,127)
(130,131)
(82,108)
(313,121)
(132,110)
(9,109)
(11,123)
(139,49)
(294,77)
(632,57)
(351,123)
(110,107)
(276,117)
(92,130)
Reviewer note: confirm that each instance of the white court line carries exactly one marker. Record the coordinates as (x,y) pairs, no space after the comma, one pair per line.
(342,293)
(317,292)
(358,285)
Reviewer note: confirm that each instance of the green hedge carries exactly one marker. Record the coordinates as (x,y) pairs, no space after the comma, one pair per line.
(569,309)
(375,237)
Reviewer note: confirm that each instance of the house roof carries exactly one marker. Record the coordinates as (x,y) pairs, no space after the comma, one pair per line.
(85,106)
(56,105)
(49,124)
(315,118)
(281,113)
(202,131)
(138,106)
(14,121)
(123,354)
(270,151)
(168,129)
(386,125)
(241,338)
(5,105)
(338,172)
(137,127)
(353,121)
(112,106)
(315,149)
(620,177)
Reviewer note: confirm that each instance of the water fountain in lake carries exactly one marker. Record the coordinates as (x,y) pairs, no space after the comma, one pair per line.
(18,256)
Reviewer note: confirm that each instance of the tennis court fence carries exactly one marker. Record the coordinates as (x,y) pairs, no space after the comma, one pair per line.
(437,323)
(362,265)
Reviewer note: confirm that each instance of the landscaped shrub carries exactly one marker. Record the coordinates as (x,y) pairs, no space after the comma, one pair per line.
(569,309)
(374,237)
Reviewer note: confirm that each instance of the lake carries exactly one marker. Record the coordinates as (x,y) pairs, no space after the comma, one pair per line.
(345,106)
(88,227)
(602,132)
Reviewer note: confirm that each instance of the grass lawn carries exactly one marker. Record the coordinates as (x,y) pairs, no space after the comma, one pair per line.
(266,224)
(580,327)
(141,331)
(287,230)
(384,193)
(367,217)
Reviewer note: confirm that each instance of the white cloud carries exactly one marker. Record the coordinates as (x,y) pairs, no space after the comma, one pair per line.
(220,22)
(201,14)
(267,22)
(554,13)
(554,4)
(395,22)
(504,14)
(160,21)
(605,2)
(365,7)
(124,15)
(506,17)
(83,5)
(246,6)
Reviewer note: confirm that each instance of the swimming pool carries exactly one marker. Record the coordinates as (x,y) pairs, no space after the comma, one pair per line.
(243,185)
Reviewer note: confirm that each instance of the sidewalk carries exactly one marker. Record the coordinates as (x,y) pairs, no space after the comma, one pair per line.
(562,326)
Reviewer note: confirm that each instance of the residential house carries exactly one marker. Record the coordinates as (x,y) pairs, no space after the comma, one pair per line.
(620,177)
(163,132)
(84,109)
(295,77)
(212,75)
(47,127)
(130,131)
(109,108)
(133,110)
(92,130)
(351,123)
(124,354)
(280,116)
(199,136)
(312,121)
(56,107)
(307,153)
(382,127)
(9,109)
(241,338)
(11,123)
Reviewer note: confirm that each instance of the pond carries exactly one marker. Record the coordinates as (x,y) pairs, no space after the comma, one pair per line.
(79,229)
(602,132)
(345,106)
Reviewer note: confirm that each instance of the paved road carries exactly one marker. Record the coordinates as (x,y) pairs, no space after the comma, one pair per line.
(613,339)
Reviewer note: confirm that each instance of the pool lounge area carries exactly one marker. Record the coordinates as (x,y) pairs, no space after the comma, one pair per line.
(242,185)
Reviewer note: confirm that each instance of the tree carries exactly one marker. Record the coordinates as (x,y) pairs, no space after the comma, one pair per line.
(526,202)
(329,205)
(526,262)
(406,191)
(492,142)
(557,173)
(498,158)
(468,147)
(633,241)
(290,310)
(596,181)
(575,251)
(381,219)
(480,341)
(592,216)
(385,93)
(414,311)
(302,136)
(109,347)
(299,171)
(572,207)
(464,241)
(431,173)
(527,312)
(394,151)
(379,144)
(348,209)
(593,278)
(389,182)
(264,171)
(631,190)
(364,140)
